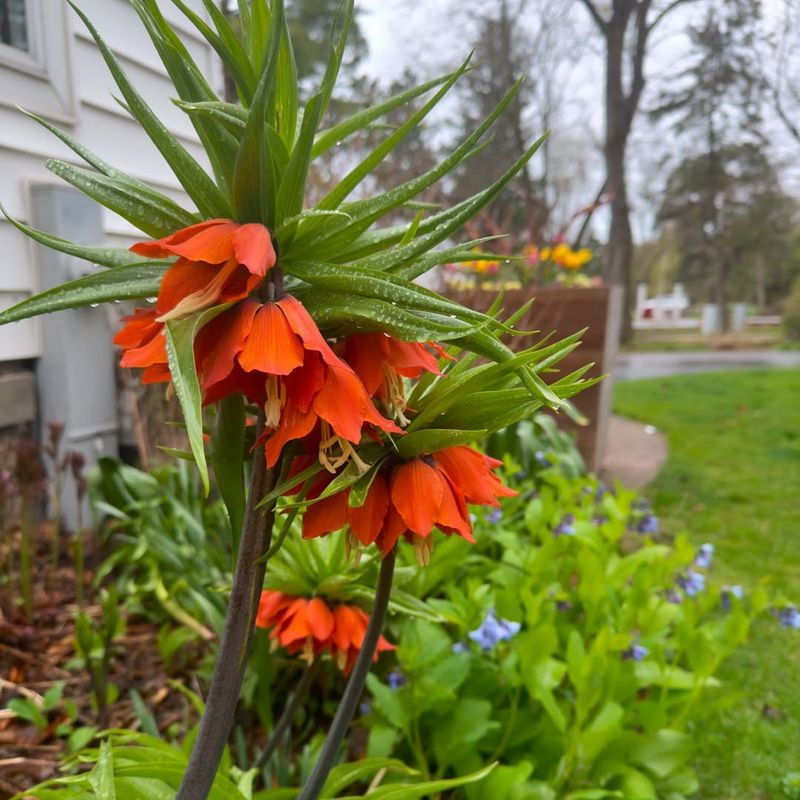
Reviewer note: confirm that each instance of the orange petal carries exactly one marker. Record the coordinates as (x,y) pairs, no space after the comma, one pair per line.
(294,424)
(417,492)
(343,402)
(453,515)
(366,522)
(270,605)
(304,326)
(298,627)
(325,516)
(153,352)
(163,248)
(139,327)
(182,279)
(210,243)
(348,628)
(467,470)
(156,373)
(252,246)
(411,358)
(220,341)
(320,619)
(393,528)
(304,383)
(271,346)
(367,353)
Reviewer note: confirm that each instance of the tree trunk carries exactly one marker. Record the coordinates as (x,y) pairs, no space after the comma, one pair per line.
(619,252)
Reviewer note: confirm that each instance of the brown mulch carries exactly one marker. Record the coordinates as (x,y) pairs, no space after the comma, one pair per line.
(35,654)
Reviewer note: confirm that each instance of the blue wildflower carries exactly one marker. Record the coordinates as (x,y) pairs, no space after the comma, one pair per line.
(648,524)
(600,493)
(674,597)
(563,605)
(459,647)
(492,631)
(520,475)
(396,679)
(636,652)
(365,708)
(789,617)
(704,556)
(728,592)
(495,515)
(542,458)
(599,519)
(692,582)
(566,527)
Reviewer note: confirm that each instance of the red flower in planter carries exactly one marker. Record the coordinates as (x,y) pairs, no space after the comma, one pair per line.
(220,261)
(143,344)
(274,354)
(310,626)
(410,498)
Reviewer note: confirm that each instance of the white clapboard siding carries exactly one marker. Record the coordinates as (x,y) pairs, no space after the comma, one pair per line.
(64,79)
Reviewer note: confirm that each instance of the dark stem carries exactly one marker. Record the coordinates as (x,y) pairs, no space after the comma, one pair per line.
(226,682)
(355,686)
(300,692)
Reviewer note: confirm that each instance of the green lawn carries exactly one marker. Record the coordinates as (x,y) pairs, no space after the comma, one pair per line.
(733,479)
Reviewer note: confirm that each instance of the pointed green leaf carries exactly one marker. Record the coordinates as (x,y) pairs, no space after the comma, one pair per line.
(101,778)
(254,179)
(180,335)
(149,211)
(413,791)
(227,460)
(345,186)
(429,440)
(360,120)
(123,283)
(103,256)
(198,185)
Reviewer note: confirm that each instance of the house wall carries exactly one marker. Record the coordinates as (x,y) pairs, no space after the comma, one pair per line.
(64,79)
(61,367)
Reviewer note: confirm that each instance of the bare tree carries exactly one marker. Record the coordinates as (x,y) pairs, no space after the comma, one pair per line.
(626,32)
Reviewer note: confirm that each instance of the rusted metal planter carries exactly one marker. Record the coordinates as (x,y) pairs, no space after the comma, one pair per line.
(566,310)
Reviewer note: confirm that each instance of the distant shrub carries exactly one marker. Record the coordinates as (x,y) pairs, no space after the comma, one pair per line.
(791,313)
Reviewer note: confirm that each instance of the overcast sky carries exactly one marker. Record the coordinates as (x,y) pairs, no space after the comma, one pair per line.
(426,36)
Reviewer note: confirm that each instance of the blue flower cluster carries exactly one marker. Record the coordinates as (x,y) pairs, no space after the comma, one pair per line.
(636,652)
(704,556)
(648,524)
(727,593)
(692,582)
(492,631)
(495,515)
(396,679)
(566,527)
(789,617)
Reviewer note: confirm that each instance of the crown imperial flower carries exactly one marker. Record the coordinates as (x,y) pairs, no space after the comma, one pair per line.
(309,627)
(219,261)
(410,498)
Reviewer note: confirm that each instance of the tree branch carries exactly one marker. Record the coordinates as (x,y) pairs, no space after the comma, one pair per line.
(595,15)
(668,9)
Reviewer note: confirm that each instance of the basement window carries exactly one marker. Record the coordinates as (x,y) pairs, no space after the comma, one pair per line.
(13,24)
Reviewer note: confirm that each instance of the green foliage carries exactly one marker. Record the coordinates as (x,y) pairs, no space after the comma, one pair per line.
(730,479)
(95,649)
(171,549)
(139,766)
(592,697)
(791,313)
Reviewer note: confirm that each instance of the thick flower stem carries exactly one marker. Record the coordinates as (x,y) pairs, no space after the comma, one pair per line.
(226,682)
(282,725)
(355,686)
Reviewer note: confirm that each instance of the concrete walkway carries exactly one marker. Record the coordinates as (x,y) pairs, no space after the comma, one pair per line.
(635,453)
(629,366)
